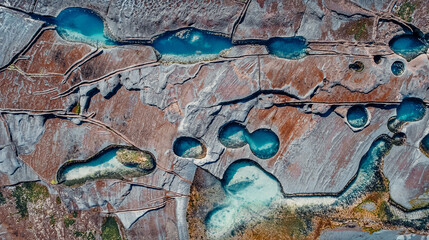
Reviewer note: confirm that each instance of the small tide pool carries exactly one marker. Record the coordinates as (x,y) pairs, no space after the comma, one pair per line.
(411,109)
(113,163)
(397,68)
(357,117)
(248,190)
(264,143)
(408,46)
(288,47)
(189,147)
(82,25)
(190,45)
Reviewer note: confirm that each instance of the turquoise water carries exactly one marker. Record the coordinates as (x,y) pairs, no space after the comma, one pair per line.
(81,25)
(190,45)
(357,116)
(398,68)
(248,189)
(424,145)
(289,48)
(411,109)
(189,147)
(408,46)
(105,166)
(264,143)
(251,191)
(233,135)
(368,169)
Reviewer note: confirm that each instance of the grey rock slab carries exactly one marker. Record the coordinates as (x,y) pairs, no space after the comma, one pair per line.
(14,26)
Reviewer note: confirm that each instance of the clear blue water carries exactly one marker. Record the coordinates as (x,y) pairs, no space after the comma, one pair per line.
(81,25)
(357,116)
(189,147)
(411,109)
(190,45)
(408,46)
(368,168)
(102,167)
(398,68)
(424,145)
(264,143)
(233,135)
(248,189)
(289,48)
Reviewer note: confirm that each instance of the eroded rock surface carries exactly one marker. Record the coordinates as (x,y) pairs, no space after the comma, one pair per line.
(62,101)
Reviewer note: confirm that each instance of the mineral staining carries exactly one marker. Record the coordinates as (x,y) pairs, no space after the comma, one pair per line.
(190,45)
(253,194)
(357,117)
(248,189)
(398,68)
(289,48)
(82,25)
(264,143)
(115,163)
(189,147)
(411,109)
(408,46)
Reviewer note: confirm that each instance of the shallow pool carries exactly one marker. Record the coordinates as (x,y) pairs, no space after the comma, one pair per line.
(411,109)
(103,166)
(190,45)
(357,116)
(288,47)
(81,25)
(264,143)
(408,46)
(189,147)
(248,189)
(397,68)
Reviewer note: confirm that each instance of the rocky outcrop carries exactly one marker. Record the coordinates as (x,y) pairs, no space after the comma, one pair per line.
(15,26)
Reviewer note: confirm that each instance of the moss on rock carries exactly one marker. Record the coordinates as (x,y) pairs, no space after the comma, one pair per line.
(135,158)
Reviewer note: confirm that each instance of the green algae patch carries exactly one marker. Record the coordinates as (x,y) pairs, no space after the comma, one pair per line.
(421,201)
(2,199)
(359,29)
(76,108)
(68,222)
(85,235)
(135,158)
(28,192)
(110,230)
(406,10)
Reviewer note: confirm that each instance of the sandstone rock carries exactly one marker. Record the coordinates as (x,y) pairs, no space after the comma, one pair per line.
(15,26)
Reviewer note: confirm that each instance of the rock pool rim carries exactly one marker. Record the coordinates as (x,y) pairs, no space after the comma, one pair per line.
(414,36)
(203,145)
(100,153)
(106,30)
(424,149)
(264,130)
(250,162)
(233,122)
(397,64)
(300,39)
(368,121)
